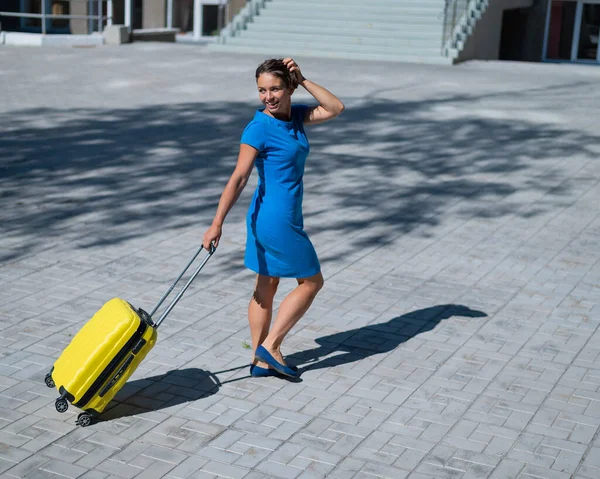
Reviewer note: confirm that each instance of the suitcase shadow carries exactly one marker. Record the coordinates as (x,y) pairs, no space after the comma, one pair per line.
(173,388)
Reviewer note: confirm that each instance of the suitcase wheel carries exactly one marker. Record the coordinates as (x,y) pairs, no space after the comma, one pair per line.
(61,405)
(84,419)
(49,381)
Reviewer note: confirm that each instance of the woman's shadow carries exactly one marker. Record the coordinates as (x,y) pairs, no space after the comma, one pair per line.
(360,343)
(180,386)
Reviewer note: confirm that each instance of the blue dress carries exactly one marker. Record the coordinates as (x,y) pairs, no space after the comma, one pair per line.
(276,244)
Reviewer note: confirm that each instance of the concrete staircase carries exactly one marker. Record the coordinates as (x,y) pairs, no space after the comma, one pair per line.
(396,30)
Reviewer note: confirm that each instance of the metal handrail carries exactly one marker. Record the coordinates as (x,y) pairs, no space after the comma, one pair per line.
(459,17)
(453,12)
(243,17)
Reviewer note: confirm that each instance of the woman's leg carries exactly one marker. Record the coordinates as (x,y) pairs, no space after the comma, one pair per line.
(260,311)
(291,310)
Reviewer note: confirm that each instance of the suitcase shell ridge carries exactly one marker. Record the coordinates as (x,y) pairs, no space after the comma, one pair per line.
(99,350)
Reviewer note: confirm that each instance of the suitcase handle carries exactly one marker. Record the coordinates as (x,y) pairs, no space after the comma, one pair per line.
(172,304)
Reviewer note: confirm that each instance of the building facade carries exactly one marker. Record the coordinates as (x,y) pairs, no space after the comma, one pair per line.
(537,30)
(137,14)
(519,30)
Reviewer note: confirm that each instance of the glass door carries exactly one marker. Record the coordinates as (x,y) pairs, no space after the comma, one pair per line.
(588,35)
(572,29)
(560,30)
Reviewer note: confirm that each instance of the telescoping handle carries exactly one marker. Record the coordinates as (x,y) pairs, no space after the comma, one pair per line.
(172,304)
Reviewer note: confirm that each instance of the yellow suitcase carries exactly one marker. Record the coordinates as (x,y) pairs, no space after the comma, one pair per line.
(107,350)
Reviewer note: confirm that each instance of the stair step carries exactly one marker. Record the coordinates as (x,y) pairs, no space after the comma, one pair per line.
(321,26)
(308,43)
(274,52)
(328,40)
(359,9)
(304,14)
(362,31)
(374,3)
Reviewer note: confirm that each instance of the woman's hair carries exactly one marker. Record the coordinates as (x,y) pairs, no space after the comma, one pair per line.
(276,67)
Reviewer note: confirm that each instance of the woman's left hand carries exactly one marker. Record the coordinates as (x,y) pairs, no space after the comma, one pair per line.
(294,69)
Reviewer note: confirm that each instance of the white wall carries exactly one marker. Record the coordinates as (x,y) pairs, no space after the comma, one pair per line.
(484,43)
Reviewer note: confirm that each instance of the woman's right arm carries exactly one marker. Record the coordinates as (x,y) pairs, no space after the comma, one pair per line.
(231,193)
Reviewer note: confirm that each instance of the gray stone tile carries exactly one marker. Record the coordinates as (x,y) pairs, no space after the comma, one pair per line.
(398,384)
(279,470)
(27,466)
(188,468)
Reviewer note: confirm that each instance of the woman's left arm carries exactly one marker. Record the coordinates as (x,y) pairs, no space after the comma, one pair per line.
(330,105)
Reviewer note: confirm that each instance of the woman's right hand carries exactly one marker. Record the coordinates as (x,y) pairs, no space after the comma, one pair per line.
(212,236)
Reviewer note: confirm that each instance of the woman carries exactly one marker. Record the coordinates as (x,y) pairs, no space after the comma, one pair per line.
(276,244)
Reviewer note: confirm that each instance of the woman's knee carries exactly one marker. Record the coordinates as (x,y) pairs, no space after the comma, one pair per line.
(314,283)
(320,283)
(266,287)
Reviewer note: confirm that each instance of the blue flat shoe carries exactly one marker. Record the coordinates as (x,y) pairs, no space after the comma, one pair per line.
(258,372)
(264,355)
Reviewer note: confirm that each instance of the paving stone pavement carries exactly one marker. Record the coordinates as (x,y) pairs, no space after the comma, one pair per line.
(456,214)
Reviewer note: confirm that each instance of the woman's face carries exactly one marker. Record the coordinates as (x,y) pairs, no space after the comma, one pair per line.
(273,93)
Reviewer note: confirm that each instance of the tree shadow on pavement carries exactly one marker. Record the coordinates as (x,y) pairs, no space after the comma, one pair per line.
(98,177)
(360,343)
